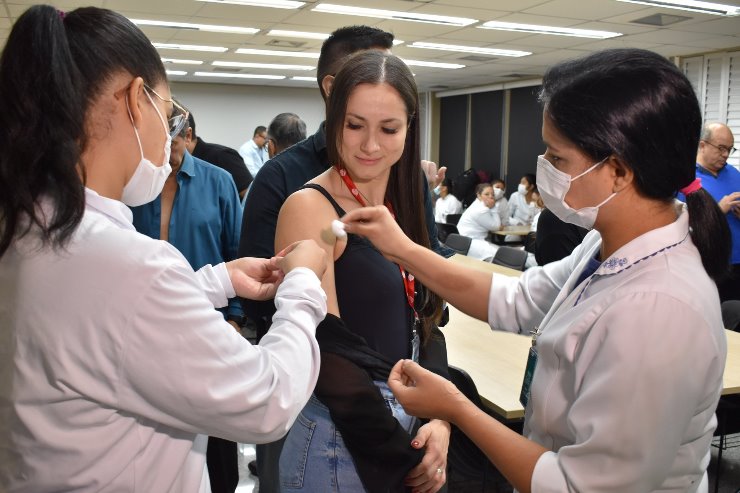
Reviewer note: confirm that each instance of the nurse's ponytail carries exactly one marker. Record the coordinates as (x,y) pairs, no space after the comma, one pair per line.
(41,129)
(53,67)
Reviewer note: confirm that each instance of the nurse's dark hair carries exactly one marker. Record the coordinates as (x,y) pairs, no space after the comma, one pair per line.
(405,190)
(52,69)
(638,107)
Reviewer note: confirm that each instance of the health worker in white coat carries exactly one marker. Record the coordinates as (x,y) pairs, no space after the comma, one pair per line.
(114,364)
(629,348)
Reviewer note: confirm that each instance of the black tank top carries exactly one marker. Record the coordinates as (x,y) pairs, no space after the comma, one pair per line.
(371,294)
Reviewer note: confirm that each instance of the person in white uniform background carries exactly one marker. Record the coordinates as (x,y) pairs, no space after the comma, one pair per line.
(502,204)
(521,203)
(114,363)
(447,203)
(629,343)
(478,220)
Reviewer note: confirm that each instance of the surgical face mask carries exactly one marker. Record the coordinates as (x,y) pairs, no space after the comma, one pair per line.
(148,180)
(553,186)
(498,193)
(437,190)
(522,189)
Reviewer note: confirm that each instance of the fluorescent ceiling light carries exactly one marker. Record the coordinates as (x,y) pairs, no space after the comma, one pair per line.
(297,34)
(238,76)
(181,61)
(170,46)
(197,27)
(272,66)
(275,4)
(307,79)
(176,72)
(692,6)
(420,63)
(558,31)
(331,8)
(295,54)
(469,49)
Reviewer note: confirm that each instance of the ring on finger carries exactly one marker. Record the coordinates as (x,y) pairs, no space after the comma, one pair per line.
(440,470)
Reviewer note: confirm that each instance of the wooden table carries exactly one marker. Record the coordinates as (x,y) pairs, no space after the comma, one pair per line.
(495,360)
(522,230)
(731,379)
(474,263)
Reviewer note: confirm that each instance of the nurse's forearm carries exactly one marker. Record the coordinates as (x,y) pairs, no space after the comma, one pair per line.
(465,288)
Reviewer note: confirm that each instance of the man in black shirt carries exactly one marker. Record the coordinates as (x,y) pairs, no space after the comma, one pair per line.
(221,156)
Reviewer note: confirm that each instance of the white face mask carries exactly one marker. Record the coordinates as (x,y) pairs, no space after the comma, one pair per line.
(522,189)
(553,186)
(498,193)
(148,180)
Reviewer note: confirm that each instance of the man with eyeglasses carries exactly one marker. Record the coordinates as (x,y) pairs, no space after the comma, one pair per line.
(200,214)
(723,183)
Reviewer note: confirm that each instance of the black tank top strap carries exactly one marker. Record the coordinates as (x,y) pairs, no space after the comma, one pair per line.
(326,194)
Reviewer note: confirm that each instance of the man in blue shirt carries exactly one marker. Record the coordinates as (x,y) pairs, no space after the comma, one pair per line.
(723,183)
(200,214)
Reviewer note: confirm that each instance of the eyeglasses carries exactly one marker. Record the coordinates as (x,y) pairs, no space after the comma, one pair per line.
(722,149)
(179,117)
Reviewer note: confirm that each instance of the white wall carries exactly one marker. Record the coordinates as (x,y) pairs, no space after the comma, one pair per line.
(227,114)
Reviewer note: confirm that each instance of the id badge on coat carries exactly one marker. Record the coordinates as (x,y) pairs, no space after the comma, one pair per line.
(528,374)
(415,344)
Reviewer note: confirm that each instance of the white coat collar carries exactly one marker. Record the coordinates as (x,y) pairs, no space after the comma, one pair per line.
(115,210)
(648,245)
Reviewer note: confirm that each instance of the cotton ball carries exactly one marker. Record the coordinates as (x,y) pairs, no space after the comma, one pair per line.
(337,227)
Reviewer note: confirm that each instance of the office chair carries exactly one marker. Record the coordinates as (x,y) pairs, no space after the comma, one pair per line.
(514,258)
(444,229)
(731,314)
(459,243)
(453,218)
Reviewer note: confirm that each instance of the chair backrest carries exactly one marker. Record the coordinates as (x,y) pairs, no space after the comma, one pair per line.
(444,229)
(513,258)
(453,218)
(464,458)
(459,243)
(731,314)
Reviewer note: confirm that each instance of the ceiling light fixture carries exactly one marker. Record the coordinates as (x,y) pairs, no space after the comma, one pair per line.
(196,27)
(171,46)
(420,63)
(297,34)
(239,76)
(295,54)
(692,6)
(558,31)
(330,8)
(275,4)
(176,72)
(271,66)
(306,79)
(469,49)
(180,61)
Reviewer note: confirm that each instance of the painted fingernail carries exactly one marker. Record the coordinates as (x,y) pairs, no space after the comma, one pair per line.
(415,443)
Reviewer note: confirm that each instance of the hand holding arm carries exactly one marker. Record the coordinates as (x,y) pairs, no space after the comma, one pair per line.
(423,393)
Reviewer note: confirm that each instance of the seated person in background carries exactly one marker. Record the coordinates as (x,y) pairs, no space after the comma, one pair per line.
(221,156)
(521,209)
(447,203)
(478,220)
(502,204)
(555,238)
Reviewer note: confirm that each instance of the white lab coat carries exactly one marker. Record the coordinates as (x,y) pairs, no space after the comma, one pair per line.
(115,364)
(446,205)
(630,364)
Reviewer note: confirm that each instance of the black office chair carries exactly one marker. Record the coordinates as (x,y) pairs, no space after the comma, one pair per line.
(453,218)
(444,229)
(459,243)
(731,314)
(511,257)
(468,467)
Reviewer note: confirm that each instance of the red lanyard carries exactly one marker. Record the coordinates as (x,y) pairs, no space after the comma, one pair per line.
(408,279)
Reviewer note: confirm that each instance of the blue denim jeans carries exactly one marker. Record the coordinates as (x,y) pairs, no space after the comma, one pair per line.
(314,457)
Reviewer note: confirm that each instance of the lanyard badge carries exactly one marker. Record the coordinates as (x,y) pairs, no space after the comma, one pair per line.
(529,370)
